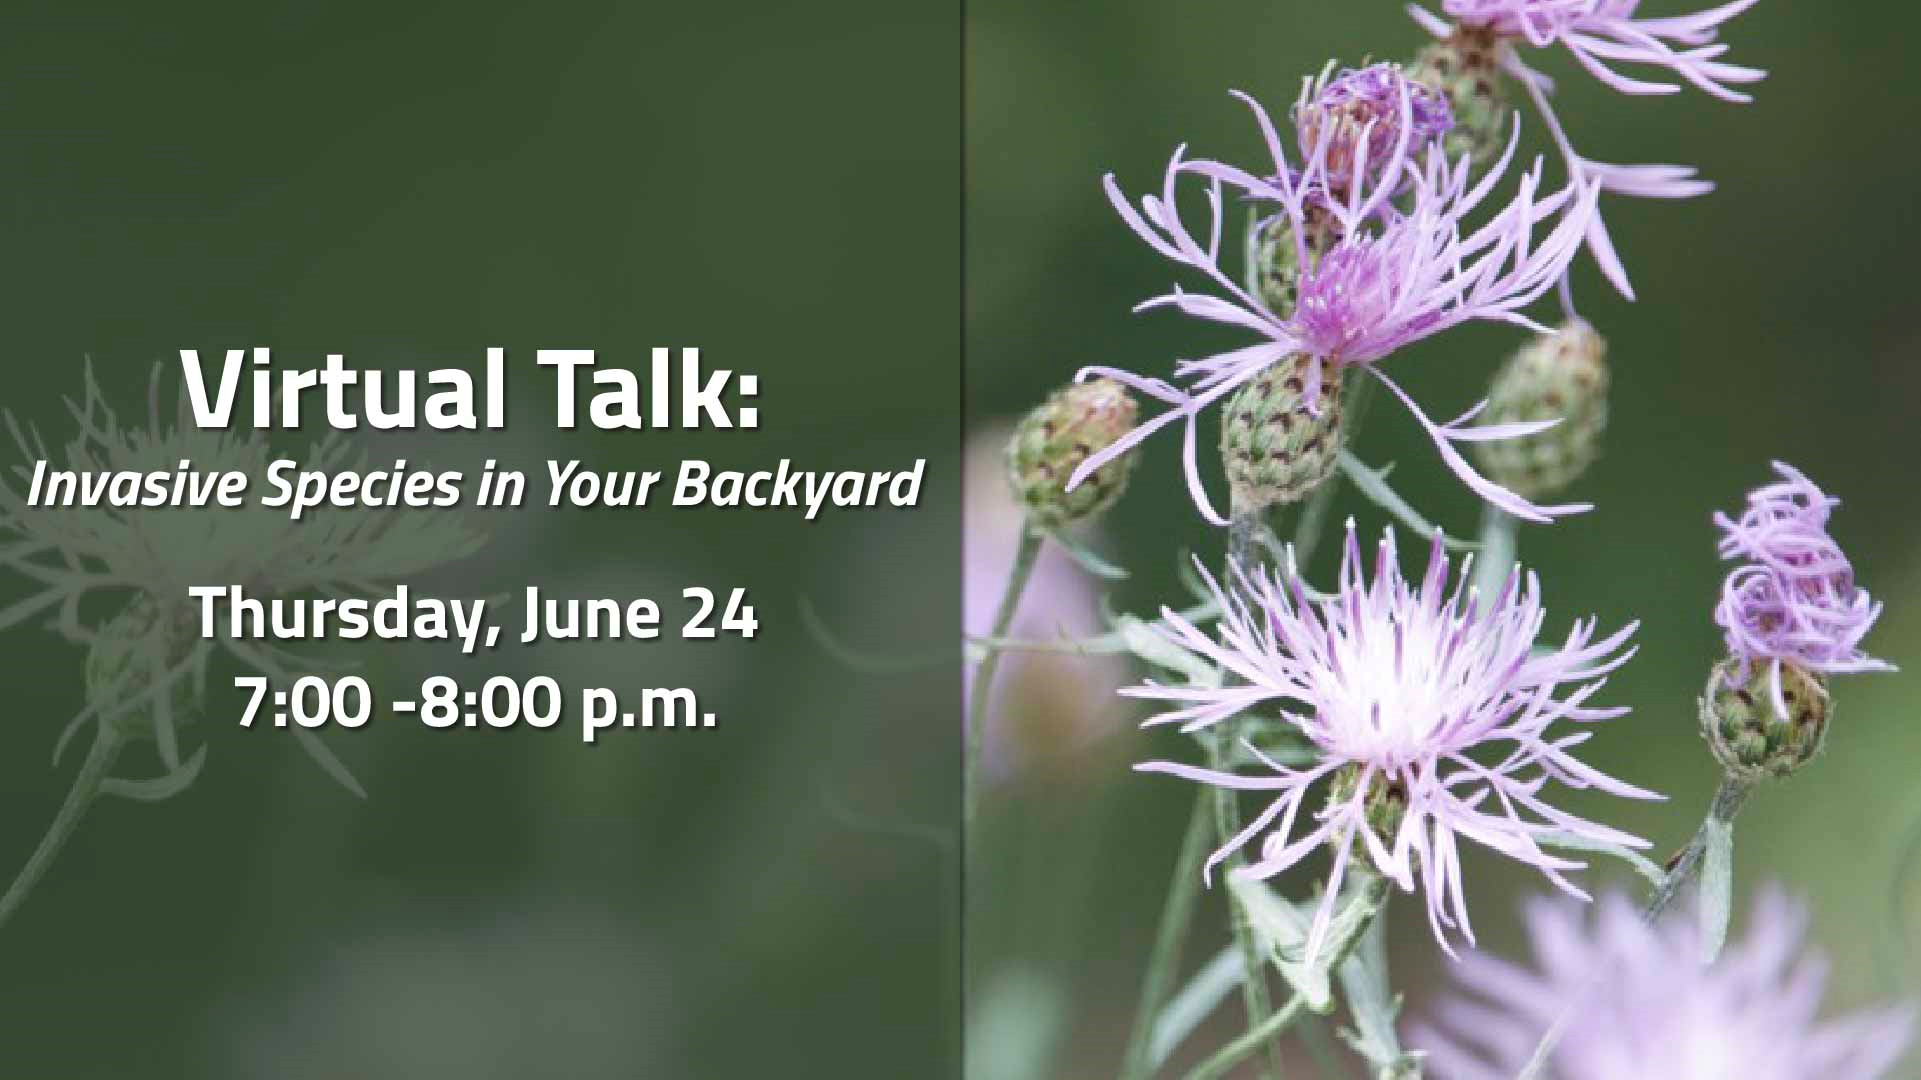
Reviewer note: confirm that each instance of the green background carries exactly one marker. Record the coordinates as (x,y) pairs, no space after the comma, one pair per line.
(1776,320)
(409,184)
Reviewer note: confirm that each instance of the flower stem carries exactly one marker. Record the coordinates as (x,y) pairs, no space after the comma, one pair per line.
(1227,822)
(1264,1033)
(1728,800)
(86,784)
(1166,956)
(1250,1042)
(1495,560)
(977,704)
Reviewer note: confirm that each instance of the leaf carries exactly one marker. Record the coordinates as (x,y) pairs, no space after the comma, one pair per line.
(1192,1004)
(1282,929)
(1375,1008)
(160,787)
(1717,885)
(1154,648)
(1373,484)
(1086,557)
(1647,867)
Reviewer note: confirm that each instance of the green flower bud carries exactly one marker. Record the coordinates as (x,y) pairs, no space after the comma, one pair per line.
(1561,375)
(1465,66)
(1274,448)
(125,657)
(1276,258)
(1073,424)
(1385,803)
(1748,735)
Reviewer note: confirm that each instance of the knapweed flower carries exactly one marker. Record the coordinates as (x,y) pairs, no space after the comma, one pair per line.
(1395,276)
(1360,114)
(1600,34)
(1434,703)
(1639,1008)
(1792,600)
(147,652)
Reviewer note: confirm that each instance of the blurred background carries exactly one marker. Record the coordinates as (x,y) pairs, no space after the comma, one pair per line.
(1775,321)
(409,184)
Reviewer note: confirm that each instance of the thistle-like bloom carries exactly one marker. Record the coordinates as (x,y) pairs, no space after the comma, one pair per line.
(1432,703)
(1793,598)
(145,558)
(1600,34)
(1359,114)
(1640,1008)
(1395,276)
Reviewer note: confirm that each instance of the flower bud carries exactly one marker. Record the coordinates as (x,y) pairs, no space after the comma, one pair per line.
(125,657)
(1276,449)
(1073,424)
(1563,376)
(1465,68)
(1748,734)
(1277,260)
(1384,804)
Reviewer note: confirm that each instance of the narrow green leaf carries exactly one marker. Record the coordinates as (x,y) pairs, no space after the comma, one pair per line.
(1085,556)
(1717,885)
(1643,865)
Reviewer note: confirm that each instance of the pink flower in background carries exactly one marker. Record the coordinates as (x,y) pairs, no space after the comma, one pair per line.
(1600,34)
(1433,700)
(1643,1010)
(1396,276)
(1793,598)
(1047,705)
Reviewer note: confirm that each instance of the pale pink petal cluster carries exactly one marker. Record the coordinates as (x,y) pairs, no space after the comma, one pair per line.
(1397,275)
(1443,698)
(1793,598)
(1640,1008)
(1601,35)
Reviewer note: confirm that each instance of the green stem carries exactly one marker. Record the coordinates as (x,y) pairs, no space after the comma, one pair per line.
(86,784)
(1166,956)
(1499,539)
(1264,1033)
(1728,800)
(1250,1042)
(977,705)
(1227,822)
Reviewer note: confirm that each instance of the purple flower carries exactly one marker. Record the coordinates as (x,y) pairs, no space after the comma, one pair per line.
(1792,599)
(1434,700)
(1642,1009)
(1600,34)
(1394,277)
(1360,115)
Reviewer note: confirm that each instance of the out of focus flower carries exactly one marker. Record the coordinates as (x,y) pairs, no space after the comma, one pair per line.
(1792,599)
(1639,1008)
(1431,702)
(1047,705)
(1395,276)
(143,559)
(1600,34)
